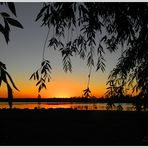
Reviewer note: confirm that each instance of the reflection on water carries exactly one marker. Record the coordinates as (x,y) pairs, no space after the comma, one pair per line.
(75,106)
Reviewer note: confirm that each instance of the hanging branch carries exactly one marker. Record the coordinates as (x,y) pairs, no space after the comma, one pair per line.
(89,76)
(43,73)
(87,91)
(44,47)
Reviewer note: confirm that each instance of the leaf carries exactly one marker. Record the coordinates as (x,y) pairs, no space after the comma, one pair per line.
(43,85)
(49,66)
(11,80)
(14,22)
(2,29)
(104,38)
(9,91)
(10,95)
(40,13)
(38,82)
(37,75)
(3,75)
(2,65)
(5,31)
(31,76)
(43,70)
(48,79)
(48,70)
(40,87)
(4,14)
(12,7)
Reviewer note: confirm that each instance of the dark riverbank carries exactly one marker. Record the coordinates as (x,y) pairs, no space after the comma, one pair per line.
(72,127)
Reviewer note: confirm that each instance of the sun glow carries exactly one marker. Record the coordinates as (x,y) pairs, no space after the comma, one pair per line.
(62,95)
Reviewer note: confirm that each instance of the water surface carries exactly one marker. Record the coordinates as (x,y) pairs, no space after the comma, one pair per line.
(76,106)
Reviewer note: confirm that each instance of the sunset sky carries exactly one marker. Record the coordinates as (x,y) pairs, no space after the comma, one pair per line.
(23,56)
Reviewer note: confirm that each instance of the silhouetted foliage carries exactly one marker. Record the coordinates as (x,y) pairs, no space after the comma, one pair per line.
(115,88)
(89,26)
(87,93)
(42,74)
(5,30)
(8,21)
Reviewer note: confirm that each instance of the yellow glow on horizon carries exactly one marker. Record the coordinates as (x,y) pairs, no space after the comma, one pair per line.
(61,95)
(62,89)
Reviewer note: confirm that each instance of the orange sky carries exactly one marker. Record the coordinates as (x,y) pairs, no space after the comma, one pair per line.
(62,84)
(68,86)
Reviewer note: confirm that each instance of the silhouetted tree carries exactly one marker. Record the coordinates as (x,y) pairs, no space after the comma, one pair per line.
(87,29)
(5,30)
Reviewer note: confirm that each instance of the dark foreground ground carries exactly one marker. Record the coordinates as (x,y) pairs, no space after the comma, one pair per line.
(72,127)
